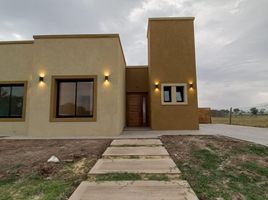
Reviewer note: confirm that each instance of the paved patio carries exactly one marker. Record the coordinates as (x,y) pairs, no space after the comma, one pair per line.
(251,134)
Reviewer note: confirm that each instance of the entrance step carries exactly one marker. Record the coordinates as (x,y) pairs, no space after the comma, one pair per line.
(137,142)
(146,166)
(137,190)
(135,151)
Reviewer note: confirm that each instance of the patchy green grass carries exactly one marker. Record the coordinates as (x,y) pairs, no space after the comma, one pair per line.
(253,167)
(258,150)
(208,159)
(255,121)
(25,173)
(219,167)
(34,186)
(118,177)
(134,157)
(158,177)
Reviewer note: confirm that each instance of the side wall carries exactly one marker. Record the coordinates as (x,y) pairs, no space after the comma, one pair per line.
(121,102)
(78,56)
(172,60)
(15,65)
(137,79)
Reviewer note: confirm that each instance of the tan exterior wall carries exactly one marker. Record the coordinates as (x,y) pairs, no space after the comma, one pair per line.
(137,79)
(172,60)
(121,102)
(15,65)
(62,56)
(78,56)
(204,115)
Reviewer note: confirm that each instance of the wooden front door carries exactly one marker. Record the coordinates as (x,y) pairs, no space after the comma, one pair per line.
(136,109)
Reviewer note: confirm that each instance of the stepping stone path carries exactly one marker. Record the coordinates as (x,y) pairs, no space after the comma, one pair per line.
(146,157)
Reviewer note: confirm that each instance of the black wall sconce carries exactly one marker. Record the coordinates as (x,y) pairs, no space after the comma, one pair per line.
(106,78)
(156,86)
(191,85)
(41,79)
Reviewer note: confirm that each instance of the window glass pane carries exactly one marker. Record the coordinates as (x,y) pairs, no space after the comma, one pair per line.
(66,98)
(167,93)
(179,93)
(4,101)
(84,100)
(16,101)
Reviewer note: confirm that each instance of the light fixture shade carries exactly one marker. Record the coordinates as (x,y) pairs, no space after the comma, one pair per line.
(41,79)
(191,85)
(106,78)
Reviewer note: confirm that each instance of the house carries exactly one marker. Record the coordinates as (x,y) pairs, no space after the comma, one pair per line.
(79,85)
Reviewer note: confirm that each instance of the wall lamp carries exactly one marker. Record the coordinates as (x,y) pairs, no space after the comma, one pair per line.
(191,85)
(41,78)
(156,86)
(106,78)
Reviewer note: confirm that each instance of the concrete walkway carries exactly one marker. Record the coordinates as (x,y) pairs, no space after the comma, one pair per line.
(251,134)
(247,133)
(150,158)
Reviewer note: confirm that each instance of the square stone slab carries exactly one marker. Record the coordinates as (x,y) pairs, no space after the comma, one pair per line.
(137,190)
(146,166)
(137,142)
(136,151)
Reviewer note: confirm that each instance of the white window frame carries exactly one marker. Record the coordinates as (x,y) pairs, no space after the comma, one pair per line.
(173,94)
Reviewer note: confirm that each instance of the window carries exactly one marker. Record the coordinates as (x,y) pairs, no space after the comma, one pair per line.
(12,100)
(179,93)
(167,93)
(174,94)
(73,98)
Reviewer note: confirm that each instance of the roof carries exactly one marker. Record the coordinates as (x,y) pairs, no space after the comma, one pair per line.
(17,42)
(115,35)
(170,18)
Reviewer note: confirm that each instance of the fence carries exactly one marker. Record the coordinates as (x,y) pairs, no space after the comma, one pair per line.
(250,116)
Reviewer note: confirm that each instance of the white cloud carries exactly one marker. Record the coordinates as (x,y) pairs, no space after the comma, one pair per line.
(148,6)
(17,36)
(231,37)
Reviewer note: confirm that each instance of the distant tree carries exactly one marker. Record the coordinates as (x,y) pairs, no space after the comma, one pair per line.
(242,112)
(254,111)
(236,110)
(262,111)
(219,113)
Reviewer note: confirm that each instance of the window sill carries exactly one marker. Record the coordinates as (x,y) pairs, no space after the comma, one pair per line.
(175,104)
(74,119)
(12,119)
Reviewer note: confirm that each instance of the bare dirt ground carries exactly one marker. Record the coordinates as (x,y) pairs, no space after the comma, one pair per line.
(219,167)
(26,174)
(24,156)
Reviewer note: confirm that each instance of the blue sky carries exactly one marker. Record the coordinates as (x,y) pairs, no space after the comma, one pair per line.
(231,37)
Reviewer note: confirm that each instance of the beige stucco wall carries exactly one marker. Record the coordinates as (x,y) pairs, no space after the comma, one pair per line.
(121,102)
(15,65)
(78,56)
(172,60)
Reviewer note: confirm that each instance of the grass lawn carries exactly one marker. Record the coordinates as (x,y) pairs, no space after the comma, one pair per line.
(26,175)
(220,167)
(130,177)
(256,121)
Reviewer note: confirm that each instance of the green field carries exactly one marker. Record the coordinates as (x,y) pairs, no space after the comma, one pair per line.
(256,121)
